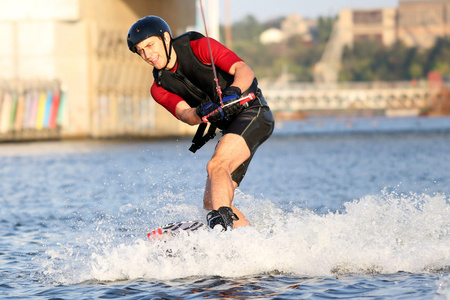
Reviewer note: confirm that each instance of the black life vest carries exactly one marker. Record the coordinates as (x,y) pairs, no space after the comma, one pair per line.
(193,80)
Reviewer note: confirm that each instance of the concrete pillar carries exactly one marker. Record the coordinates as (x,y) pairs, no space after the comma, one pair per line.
(82,43)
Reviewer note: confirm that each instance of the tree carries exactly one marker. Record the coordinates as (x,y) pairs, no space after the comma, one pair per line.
(292,55)
(439,57)
(248,29)
(367,60)
(324,28)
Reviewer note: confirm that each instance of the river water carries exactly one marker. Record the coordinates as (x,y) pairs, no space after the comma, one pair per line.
(341,208)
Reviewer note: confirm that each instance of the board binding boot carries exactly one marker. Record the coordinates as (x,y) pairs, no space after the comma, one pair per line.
(224,217)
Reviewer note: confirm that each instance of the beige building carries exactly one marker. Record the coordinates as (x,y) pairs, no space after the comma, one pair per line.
(292,25)
(272,36)
(416,23)
(82,45)
(295,25)
(369,24)
(420,23)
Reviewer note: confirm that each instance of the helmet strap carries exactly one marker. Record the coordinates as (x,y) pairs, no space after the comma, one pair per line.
(168,53)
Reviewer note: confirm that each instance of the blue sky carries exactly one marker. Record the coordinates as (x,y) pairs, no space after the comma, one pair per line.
(268,9)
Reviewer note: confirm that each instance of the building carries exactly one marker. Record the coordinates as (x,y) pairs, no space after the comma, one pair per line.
(292,25)
(415,23)
(368,24)
(420,23)
(295,25)
(272,36)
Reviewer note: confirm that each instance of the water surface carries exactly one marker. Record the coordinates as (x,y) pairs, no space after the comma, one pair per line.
(338,211)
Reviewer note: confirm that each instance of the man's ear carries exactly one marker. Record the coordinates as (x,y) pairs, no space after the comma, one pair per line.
(166,36)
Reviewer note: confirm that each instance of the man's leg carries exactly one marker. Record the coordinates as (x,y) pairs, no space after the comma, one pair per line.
(230,153)
(208,206)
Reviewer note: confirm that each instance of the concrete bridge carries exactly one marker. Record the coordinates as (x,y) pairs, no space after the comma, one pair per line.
(400,97)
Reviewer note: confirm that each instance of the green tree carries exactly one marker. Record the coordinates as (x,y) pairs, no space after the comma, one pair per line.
(324,28)
(439,57)
(397,62)
(367,60)
(293,55)
(248,29)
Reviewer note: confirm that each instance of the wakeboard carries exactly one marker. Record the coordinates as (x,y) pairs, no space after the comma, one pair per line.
(176,228)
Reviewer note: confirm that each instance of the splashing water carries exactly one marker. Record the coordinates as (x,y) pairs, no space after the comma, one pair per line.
(384,233)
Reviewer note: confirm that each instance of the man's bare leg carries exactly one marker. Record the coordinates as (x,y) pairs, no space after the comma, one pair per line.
(230,153)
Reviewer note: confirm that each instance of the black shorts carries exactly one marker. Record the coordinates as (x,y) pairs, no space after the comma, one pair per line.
(255,124)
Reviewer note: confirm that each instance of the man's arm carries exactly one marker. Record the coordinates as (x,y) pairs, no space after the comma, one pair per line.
(243,75)
(187,114)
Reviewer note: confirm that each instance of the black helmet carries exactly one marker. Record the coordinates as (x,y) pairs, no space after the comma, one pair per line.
(144,28)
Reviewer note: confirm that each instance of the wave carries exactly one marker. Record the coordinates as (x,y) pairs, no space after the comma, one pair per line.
(385,233)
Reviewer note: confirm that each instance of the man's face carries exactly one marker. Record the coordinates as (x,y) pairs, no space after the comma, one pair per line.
(152,51)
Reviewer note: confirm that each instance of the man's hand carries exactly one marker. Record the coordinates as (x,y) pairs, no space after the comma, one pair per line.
(230,105)
(213,112)
(204,111)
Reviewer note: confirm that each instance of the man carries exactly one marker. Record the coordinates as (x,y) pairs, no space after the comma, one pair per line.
(185,85)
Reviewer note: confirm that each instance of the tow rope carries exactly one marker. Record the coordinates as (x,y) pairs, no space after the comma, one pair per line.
(216,80)
(199,139)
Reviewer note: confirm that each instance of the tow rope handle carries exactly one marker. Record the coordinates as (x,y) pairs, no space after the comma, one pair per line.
(241,101)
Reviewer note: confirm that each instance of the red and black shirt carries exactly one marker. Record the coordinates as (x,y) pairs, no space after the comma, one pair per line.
(191,79)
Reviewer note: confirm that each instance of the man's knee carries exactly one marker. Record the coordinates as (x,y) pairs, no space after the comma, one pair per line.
(216,165)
